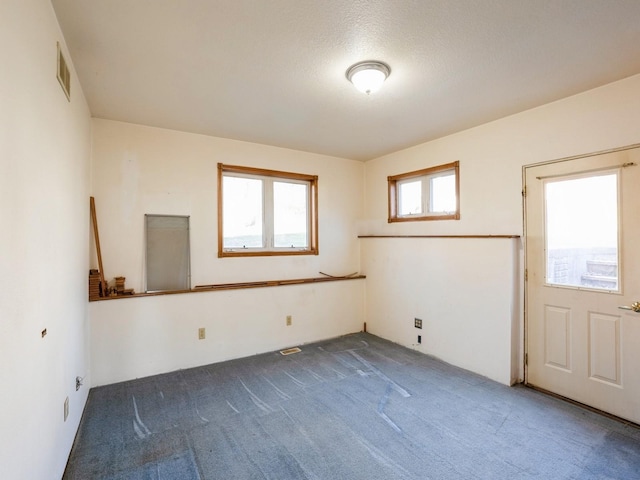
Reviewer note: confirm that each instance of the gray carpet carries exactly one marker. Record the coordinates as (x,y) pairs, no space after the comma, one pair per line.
(356,407)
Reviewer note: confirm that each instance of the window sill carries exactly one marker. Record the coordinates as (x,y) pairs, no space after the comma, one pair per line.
(452,216)
(264,253)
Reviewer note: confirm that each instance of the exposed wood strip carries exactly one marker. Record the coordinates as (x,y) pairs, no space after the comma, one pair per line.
(94,220)
(438,236)
(339,276)
(237,286)
(272,283)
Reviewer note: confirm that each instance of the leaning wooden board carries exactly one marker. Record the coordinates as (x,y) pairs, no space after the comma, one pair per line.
(94,220)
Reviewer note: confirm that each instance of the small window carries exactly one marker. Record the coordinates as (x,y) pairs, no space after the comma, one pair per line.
(167,252)
(266,212)
(429,194)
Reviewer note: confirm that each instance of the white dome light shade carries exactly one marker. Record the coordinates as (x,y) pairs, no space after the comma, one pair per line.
(368,77)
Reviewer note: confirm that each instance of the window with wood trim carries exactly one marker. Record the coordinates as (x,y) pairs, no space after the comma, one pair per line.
(429,194)
(266,212)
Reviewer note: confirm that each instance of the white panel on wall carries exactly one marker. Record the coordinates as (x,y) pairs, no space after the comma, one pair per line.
(137,337)
(167,252)
(557,337)
(462,289)
(604,348)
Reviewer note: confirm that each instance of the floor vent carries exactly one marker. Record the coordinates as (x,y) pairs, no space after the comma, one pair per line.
(64,77)
(289,351)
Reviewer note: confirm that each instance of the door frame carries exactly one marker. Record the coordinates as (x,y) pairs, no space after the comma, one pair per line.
(525,282)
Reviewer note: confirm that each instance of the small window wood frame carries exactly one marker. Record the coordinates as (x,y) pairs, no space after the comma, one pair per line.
(312,208)
(426,174)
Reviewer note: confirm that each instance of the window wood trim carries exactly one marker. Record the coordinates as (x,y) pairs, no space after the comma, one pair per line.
(313,210)
(393,180)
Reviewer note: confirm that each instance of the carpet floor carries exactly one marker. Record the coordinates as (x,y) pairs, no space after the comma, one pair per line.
(355,407)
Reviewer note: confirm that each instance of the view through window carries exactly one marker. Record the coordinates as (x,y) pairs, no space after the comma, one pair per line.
(265,212)
(581,218)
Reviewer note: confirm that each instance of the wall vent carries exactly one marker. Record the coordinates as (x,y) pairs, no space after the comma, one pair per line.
(289,351)
(64,77)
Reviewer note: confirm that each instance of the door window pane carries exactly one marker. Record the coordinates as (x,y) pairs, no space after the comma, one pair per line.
(582,232)
(290,214)
(242,212)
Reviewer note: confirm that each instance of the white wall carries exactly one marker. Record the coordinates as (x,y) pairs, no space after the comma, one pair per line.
(137,337)
(431,279)
(138,170)
(44,191)
(486,287)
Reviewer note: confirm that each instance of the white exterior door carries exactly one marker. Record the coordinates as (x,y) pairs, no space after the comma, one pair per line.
(582,265)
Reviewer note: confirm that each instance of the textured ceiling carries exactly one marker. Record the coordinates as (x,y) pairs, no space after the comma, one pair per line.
(273,71)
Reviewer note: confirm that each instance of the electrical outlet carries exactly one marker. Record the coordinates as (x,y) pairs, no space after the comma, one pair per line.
(417,322)
(201,333)
(289,320)
(66,408)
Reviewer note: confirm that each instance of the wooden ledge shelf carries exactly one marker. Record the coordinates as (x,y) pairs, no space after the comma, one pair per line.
(237,286)
(438,236)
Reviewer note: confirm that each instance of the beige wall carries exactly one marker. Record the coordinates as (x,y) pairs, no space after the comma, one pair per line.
(44,239)
(138,170)
(468,292)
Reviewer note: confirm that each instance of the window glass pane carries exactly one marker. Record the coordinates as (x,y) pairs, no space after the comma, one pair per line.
(410,198)
(582,232)
(443,194)
(290,215)
(242,212)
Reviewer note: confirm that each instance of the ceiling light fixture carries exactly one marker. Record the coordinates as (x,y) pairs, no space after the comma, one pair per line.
(368,76)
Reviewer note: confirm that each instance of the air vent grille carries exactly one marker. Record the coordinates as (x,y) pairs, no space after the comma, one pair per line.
(64,77)
(289,351)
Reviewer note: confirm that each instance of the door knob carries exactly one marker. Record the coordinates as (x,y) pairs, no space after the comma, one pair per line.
(635,306)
